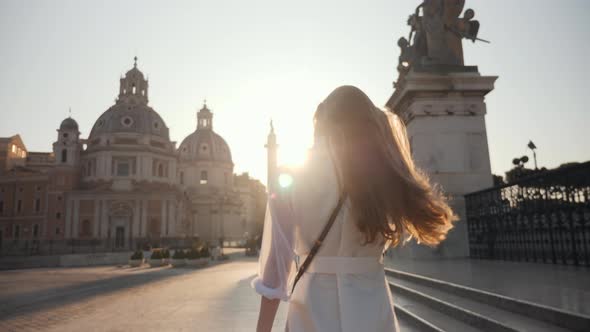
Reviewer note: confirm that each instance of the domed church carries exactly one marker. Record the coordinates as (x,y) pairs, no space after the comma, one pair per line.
(206,175)
(127,185)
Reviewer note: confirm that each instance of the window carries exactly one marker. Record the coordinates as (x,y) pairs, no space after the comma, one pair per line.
(64,156)
(35,230)
(161,170)
(65,135)
(58,215)
(16,232)
(181,179)
(13,148)
(133,89)
(127,121)
(37,204)
(1,207)
(122,169)
(57,230)
(19,205)
(204,177)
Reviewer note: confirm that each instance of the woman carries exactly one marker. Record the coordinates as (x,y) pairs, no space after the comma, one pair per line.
(360,156)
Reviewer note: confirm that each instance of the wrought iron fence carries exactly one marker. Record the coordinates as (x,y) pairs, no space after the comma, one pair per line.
(541,218)
(32,247)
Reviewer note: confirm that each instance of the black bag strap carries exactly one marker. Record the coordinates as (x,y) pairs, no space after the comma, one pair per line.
(318,243)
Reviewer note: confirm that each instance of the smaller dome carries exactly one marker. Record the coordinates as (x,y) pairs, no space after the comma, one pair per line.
(205,145)
(68,124)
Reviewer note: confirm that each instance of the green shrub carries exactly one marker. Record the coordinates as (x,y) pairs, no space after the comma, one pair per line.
(204,252)
(193,254)
(137,255)
(179,254)
(165,253)
(157,254)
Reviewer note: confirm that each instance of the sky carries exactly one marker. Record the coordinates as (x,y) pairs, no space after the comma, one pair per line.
(257,60)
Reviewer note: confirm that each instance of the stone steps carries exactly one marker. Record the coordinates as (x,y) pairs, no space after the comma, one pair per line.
(422,317)
(435,305)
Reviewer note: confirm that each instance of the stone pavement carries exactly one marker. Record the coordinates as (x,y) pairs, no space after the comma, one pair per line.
(558,286)
(216,298)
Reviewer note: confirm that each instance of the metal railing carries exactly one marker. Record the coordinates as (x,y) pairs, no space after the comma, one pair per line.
(541,218)
(32,247)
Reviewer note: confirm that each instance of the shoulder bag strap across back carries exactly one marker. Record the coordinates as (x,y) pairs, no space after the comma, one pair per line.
(318,243)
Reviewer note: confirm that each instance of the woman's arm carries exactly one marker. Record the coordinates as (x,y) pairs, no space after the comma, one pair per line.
(266,317)
(276,258)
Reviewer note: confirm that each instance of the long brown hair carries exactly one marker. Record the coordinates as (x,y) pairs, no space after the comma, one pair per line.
(390,196)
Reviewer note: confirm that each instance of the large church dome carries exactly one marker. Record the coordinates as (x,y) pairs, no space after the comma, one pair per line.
(204,144)
(131,113)
(125,118)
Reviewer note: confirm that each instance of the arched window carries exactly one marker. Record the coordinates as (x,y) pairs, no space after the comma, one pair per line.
(204,177)
(64,156)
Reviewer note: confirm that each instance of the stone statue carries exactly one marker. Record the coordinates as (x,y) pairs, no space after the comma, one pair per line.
(436,35)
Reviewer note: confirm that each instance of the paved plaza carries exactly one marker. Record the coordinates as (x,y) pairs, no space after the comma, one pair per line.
(216,298)
(219,297)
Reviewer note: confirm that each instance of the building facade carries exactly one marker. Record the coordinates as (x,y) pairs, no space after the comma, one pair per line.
(126,185)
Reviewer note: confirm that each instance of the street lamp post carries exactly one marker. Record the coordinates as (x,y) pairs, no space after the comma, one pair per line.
(533,147)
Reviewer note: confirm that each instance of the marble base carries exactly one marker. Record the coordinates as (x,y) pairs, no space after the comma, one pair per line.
(445,118)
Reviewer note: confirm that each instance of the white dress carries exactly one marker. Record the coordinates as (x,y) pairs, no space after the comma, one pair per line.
(344,289)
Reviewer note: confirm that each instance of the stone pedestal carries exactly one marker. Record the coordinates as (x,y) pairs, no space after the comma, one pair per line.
(444,112)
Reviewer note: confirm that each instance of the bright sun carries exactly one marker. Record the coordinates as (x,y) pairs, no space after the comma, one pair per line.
(292,155)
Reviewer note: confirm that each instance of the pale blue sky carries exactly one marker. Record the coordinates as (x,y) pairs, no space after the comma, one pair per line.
(254,60)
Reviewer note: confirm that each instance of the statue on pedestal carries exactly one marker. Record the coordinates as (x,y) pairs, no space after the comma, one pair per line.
(436,35)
